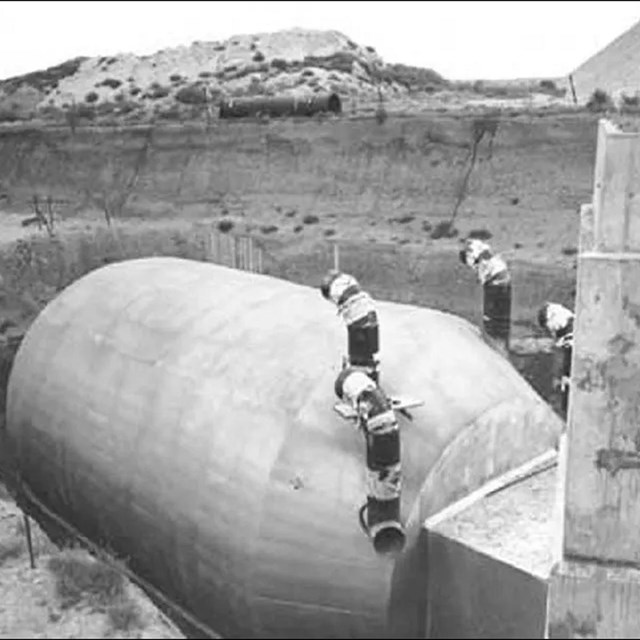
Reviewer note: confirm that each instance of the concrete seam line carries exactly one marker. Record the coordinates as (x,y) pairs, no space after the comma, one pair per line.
(106,558)
(534,466)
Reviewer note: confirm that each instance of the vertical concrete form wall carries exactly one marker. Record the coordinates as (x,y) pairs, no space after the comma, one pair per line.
(595,590)
(474,595)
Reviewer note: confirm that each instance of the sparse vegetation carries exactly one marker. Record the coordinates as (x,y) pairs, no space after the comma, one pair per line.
(112,83)
(10,549)
(480,234)
(157,91)
(279,63)
(192,94)
(404,219)
(124,615)
(444,229)
(80,577)
(414,78)
(599,101)
(45,79)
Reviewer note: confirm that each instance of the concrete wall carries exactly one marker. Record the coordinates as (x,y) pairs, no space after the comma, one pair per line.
(473,595)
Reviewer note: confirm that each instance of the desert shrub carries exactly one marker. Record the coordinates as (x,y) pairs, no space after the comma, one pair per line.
(175,77)
(630,101)
(291,213)
(86,111)
(9,115)
(411,77)
(192,94)
(124,615)
(78,577)
(381,115)
(426,226)
(268,228)
(258,56)
(134,91)
(370,49)
(480,234)
(352,44)
(340,61)
(205,74)
(307,73)
(329,232)
(405,219)
(310,219)
(444,229)
(92,96)
(10,550)
(298,228)
(105,108)
(599,101)
(224,226)
(253,46)
(548,85)
(172,113)
(279,63)
(517,245)
(126,107)
(219,47)
(515,200)
(112,83)
(43,80)
(156,91)
(569,251)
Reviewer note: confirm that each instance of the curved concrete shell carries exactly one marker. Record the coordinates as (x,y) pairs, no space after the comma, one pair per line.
(182,413)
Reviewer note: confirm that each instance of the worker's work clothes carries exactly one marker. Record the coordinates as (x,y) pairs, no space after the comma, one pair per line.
(558,321)
(358,312)
(380,426)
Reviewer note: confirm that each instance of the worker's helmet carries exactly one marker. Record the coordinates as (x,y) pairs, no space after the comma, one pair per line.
(325,286)
(474,250)
(352,381)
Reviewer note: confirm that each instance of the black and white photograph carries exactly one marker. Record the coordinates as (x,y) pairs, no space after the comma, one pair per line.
(319,319)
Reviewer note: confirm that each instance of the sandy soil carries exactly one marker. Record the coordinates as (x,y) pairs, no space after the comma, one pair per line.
(29,605)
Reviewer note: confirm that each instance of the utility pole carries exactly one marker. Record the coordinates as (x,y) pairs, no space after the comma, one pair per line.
(594,589)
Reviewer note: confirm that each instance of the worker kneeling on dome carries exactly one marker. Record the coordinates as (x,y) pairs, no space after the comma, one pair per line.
(357,309)
(377,420)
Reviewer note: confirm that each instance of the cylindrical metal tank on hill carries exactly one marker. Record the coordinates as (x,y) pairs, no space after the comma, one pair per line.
(280,106)
(182,414)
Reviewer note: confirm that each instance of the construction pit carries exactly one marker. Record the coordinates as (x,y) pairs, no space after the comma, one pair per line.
(482,537)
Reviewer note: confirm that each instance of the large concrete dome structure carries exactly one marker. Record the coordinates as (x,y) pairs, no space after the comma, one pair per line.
(182,414)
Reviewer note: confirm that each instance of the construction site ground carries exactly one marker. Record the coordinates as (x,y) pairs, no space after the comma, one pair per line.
(379,190)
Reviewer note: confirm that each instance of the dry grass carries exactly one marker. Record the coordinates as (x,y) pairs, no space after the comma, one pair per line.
(11,549)
(124,615)
(81,578)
